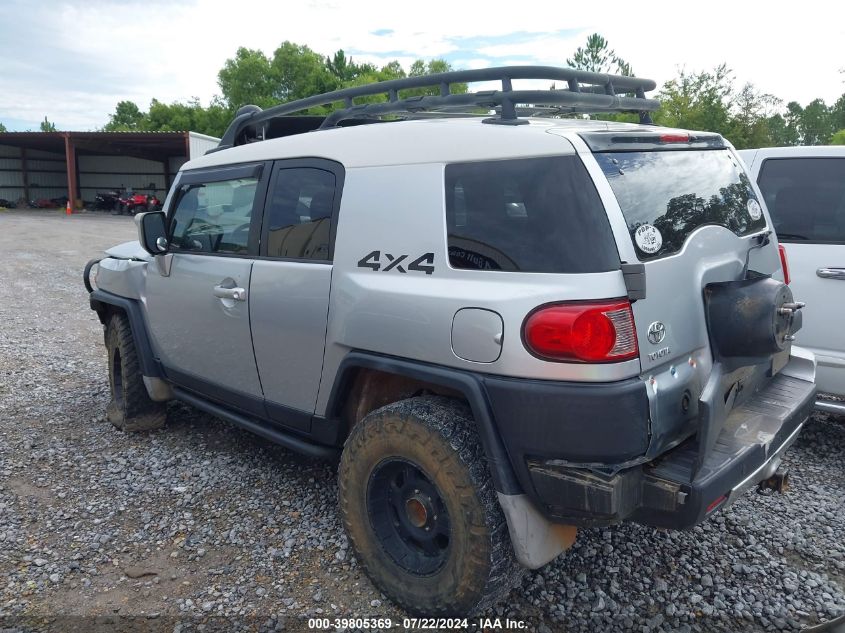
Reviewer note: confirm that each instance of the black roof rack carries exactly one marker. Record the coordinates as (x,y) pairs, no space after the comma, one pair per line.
(585,92)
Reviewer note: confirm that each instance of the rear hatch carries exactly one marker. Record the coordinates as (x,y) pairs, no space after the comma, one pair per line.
(695,225)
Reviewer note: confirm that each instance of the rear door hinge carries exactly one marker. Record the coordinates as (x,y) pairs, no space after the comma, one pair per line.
(634,275)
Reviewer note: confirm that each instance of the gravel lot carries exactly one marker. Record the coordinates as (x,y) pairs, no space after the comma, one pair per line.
(202,526)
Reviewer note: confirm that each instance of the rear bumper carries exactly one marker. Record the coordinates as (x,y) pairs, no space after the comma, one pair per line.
(684,485)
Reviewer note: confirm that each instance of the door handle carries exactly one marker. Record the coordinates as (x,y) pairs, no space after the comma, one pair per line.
(831,273)
(238,294)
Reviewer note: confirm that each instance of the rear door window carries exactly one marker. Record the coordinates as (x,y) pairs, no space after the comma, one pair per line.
(666,195)
(806,198)
(299,219)
(529,215)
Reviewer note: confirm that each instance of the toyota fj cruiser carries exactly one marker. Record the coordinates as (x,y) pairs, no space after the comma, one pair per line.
(506,327)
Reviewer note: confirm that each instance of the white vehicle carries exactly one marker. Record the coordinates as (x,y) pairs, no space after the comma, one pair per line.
(804,190)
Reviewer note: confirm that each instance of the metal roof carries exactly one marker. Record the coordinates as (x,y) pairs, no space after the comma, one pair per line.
(152,145)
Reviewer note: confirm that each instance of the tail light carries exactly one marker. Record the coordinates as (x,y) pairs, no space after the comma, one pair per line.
(674,138)
(594,332)
(784,263)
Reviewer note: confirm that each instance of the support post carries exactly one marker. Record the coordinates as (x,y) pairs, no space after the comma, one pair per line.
(25,174)
(70,160)
(166,164)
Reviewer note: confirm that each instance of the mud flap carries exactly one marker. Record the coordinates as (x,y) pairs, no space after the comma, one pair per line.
(536,541)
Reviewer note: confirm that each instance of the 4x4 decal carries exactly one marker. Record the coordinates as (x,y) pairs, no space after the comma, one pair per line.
(423,263)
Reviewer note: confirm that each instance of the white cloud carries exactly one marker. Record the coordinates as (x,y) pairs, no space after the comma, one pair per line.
(73,60)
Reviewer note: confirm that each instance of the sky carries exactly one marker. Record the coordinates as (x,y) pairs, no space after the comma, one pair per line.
(73,60)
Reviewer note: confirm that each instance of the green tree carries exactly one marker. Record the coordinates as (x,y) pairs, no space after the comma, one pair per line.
(838,138)
(248,78)
(598,57)
(127,116)
(420,68)
(816,127)
(697,101)
(175,117)
(214,119)
(391,70)
(3,128)
(345,70)
(781,133)
(299,72)
(47,126)
(837,114)
(749,125)
(296,72)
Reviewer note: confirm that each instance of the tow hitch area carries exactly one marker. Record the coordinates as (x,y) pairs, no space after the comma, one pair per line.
(779,482)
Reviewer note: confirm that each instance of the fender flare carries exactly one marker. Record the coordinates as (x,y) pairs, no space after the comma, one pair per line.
(100,299)
(467,383)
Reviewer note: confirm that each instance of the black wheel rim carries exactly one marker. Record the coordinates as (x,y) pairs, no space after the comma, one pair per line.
(409,516)
(117,378)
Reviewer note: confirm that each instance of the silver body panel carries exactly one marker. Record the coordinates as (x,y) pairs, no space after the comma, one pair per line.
(289,308)
(197,333)
(410,315)
(129,250)
(124,277)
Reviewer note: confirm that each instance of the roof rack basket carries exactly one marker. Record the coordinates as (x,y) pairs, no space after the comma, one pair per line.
(585,92)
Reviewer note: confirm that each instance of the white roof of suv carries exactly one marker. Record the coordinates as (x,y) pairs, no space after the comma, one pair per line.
(420,141)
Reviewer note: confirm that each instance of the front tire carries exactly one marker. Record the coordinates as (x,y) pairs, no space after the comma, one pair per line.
(420,509)
(130,408)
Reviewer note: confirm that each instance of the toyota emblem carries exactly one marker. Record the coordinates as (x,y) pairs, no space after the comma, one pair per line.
(656,332)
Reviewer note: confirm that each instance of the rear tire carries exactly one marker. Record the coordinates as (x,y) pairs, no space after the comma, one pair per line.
(130,408)
(420,509)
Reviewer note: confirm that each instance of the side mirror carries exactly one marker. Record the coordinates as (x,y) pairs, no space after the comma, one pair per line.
(152,232)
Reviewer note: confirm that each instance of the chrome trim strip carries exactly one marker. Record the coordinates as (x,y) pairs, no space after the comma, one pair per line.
(830,406)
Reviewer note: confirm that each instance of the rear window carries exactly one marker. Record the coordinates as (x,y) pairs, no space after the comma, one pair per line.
(666,195)
(539,215)
(806,198)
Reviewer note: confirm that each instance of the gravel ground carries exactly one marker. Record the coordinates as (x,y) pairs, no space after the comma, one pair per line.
(202,526)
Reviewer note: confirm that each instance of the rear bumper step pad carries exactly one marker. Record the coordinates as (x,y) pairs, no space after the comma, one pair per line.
(675,491)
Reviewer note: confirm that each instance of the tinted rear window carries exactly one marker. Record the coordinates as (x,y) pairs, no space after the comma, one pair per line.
(805,197)
(667,195)
(530,215)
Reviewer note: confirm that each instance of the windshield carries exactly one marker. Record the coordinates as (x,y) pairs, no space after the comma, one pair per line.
(666,195)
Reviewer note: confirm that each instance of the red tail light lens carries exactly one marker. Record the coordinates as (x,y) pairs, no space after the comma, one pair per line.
(784,263)
(582,332)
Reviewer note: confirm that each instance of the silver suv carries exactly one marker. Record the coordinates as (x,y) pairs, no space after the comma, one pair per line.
(506,327)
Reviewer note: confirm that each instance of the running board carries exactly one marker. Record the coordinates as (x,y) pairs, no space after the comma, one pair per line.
(830,406)
(288,440)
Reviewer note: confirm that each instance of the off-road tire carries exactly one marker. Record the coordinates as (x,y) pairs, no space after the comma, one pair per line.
(438,436)
(130,408)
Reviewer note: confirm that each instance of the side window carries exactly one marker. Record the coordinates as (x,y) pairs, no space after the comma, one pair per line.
(529,215)
(298,219)
(213,217)
(806,198)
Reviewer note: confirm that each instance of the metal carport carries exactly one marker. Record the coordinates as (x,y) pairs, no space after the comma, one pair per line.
(37,165)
